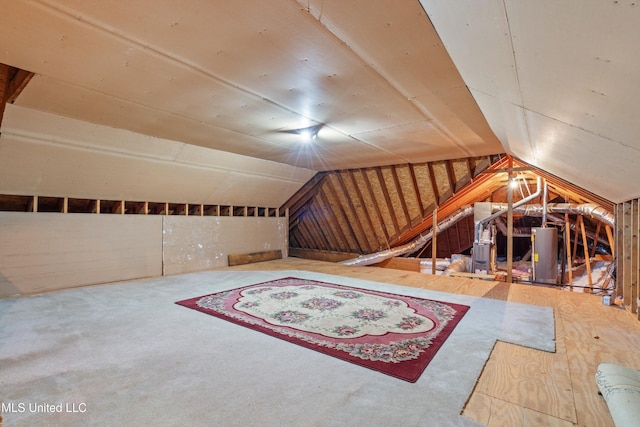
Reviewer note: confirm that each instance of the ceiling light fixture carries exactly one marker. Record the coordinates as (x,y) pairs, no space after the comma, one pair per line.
(310,133)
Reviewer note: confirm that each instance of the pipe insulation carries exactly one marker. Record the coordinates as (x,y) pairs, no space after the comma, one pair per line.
(576,229)
(411,246)
(526,231)
(504,209)
(592,210)
(458,265)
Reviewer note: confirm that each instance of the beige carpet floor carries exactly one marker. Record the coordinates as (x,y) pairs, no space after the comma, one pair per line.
(125,354)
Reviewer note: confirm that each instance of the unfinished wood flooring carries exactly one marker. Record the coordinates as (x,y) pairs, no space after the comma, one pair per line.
(521,386)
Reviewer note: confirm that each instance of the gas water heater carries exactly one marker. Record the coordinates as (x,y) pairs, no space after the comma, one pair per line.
(544,242)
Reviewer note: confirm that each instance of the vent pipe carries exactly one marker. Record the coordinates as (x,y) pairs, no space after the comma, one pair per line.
(480,224)
(411,246)
(591,210)
(544,205)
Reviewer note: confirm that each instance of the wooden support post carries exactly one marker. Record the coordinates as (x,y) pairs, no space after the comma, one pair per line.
(434,241)
(122,207)
(65,205)
(636,231)
(595,239)
(619,255)
(567,231)
(146,208)
(611,240)
(575,239)
(634,255)
(510,223)
(201,210)
(97,206)
(35,204)
(626,254)
(586,252)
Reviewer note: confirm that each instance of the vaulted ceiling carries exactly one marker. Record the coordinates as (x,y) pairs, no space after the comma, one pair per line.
(131,97)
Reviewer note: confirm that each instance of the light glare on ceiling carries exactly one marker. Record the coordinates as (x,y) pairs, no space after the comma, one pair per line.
(310,133)
(307,136)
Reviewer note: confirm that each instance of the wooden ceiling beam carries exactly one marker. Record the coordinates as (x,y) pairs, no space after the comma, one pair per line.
(416,189)
(340,233)
(305,195)
(334,193)
(403,202)
(373,232)
(12,82)
(354,212)
(469,169)
(387,199)
(377,207)
(307,237)
(467,195)
(324,227)
(320,234)
(434,183)
(5,77)
(451,176)
(17,83)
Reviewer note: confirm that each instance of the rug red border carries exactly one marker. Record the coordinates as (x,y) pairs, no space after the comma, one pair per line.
(407,370)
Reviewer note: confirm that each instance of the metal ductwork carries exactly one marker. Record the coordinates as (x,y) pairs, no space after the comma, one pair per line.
(411,246)
(574,227)
(526,231)
(458,264)
(503,208)
(591,210)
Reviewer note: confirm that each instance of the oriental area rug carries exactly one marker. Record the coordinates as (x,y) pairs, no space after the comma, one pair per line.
(393,334)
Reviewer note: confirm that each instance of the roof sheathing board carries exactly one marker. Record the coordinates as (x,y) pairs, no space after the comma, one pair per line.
(555,82)
(228,76)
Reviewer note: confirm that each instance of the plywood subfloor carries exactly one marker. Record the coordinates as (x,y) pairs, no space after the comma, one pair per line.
(520,386)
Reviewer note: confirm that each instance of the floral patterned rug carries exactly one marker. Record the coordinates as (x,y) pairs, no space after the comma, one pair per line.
(394,334)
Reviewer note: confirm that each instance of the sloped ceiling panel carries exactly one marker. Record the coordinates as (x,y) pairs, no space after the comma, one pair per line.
(50,155)
(557,82)
(233,76)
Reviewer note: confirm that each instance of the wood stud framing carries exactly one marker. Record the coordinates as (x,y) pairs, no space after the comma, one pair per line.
(46,204)
(367,210)
(627,254)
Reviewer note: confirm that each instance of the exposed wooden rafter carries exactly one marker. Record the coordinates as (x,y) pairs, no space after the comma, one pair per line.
(416,189)
(366,210)
(403,202)
(12,82)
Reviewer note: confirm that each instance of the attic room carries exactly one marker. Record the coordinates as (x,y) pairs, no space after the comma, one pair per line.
(469,165)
